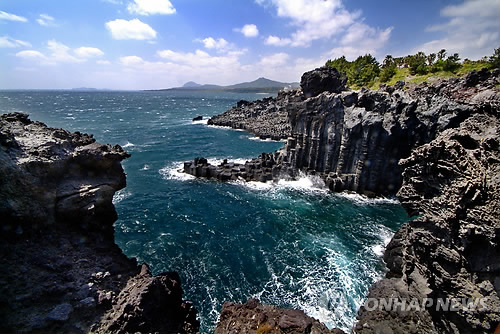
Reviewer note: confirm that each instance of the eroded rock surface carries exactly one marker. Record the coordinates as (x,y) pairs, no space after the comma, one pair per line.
(253,317)
(61,271)
(452,250)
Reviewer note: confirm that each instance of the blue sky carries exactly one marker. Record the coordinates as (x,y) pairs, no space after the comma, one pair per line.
(150,44)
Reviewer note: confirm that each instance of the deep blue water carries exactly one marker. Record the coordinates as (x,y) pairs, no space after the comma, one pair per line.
(292,244)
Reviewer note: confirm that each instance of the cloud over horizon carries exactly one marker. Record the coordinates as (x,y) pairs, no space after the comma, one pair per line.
(133,29)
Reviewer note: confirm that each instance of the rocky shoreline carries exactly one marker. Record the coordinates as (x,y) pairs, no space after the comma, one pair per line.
(61,271)
(436,147)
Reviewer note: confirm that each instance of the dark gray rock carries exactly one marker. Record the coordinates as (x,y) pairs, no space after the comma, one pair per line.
(151,304)
(451,250)
(323,79)
(60,312)
(198,118)
(253,317)
(56,230)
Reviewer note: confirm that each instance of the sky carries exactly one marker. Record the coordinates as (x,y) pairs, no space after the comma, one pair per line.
(154,44)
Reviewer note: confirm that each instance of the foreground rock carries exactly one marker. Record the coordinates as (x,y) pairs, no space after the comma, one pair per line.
(61,271)
(452,250)
(253,317)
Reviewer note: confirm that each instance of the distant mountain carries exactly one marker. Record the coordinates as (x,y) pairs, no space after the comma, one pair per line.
(261,85)
(191,84)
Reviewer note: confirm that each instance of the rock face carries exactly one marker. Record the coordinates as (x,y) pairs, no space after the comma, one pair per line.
(452,250)
(323,79)
(253,317)
(267,118)
(61,270)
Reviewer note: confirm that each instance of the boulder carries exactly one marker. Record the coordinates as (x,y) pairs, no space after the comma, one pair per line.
(323,79)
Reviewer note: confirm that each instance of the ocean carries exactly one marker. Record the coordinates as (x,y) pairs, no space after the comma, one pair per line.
(292,244)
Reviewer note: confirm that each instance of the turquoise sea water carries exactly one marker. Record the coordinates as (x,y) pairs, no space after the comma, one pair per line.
(292,244)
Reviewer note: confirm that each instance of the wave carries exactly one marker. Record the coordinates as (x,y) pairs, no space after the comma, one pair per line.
(128,144)
(174,172)
(267,140)
(365,200)
(304,183)
(121,195)
(203,121)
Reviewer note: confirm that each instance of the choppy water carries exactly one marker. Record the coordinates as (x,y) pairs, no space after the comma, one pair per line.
(292,244)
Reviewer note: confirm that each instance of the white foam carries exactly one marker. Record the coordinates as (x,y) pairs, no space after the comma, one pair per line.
(120,196)
(203,121)
(385,238)
(128,144)
(174,172)
(146,167)
(365,200)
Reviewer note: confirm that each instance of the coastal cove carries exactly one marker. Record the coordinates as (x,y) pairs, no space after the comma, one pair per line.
(293,244)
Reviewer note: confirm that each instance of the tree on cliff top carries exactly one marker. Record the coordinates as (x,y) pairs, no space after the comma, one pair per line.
(495,59)
(361,72)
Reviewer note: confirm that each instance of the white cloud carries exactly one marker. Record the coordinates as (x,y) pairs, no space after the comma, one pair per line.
(45,20)
(131,61)
(103,62)
(151,7)
(277,41)
(212,43)
(277,59)
(58,53)
(472,29)
(30,54)
(11,17)
(133,29)
(88,52)
(248,30)
(325,20)
(7,42)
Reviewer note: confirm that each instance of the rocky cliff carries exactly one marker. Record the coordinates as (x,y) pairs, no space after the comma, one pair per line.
(450,254)
(61,271)
(435,146)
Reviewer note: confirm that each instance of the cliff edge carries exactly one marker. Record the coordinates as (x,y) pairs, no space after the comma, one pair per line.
(61,270)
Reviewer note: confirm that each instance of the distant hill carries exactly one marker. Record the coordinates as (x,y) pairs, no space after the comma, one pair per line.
(261,85)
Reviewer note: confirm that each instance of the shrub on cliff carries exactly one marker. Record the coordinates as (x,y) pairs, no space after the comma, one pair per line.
(495,59)
(361,72)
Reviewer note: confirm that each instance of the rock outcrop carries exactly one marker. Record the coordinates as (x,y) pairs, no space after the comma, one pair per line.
(323,79)
(253,317)
(267,118)
(356,139)
(61,270)
(451,252)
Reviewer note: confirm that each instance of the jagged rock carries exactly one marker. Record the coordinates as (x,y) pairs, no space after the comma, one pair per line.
(266,118)
(198,118)
(452,249)
(323,79)
(151,304)
(60,312)
(253,317)
(57,244)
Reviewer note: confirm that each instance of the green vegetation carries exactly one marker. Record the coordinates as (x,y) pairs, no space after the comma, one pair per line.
(366,71)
